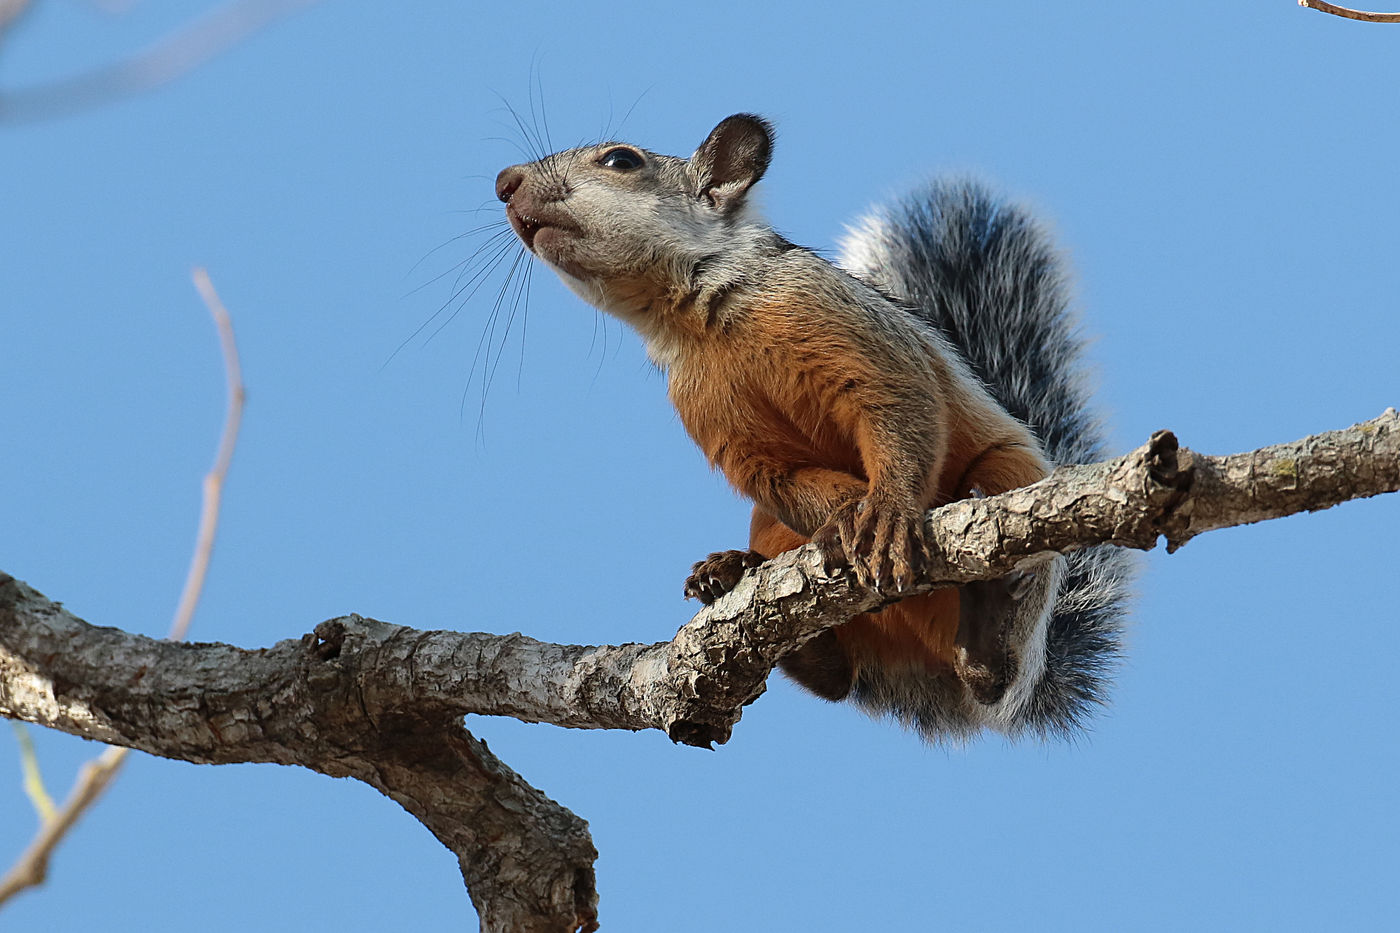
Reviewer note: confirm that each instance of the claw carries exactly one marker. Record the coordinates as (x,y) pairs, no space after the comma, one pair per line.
(717,574)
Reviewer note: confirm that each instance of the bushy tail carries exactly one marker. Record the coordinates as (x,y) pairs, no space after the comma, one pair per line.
(985,274)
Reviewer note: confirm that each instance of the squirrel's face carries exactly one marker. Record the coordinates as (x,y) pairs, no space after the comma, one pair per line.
(625,227)
(593,213)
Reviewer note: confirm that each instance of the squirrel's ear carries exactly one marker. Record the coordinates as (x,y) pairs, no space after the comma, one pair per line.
(734,156)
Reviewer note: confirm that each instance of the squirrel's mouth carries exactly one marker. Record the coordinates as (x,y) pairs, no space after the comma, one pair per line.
(525,226)
(528,226)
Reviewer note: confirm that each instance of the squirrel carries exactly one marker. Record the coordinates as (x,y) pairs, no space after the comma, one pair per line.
(939,363)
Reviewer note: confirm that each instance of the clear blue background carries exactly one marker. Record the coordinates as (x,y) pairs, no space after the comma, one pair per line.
(1222,175)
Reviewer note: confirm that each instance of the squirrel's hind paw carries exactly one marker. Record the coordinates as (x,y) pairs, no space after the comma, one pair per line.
(984,660)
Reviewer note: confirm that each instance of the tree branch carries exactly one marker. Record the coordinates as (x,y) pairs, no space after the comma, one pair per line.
(527,861)
(383,703)
(1322,6)
(96,775)
(10,11)
(170,58)
(32,867)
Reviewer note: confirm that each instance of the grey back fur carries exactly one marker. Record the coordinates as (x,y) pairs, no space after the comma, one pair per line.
(985,274)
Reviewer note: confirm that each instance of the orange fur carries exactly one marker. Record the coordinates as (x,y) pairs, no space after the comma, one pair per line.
(771,398)
(842,416)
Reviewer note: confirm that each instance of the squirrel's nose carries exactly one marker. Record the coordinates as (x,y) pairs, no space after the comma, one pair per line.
(508,181)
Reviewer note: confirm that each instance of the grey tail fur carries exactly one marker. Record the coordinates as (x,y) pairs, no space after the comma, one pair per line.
(986,275)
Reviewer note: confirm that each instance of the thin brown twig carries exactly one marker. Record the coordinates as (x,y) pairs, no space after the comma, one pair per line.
(32,867)
(169,58)
(94,777)
(33,778)
(1322,6)
(214,480)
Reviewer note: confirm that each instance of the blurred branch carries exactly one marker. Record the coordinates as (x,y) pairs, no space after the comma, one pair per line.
(33,778)
(10,11)
(169,58)
(32,867)
(94,777)
(1322,6)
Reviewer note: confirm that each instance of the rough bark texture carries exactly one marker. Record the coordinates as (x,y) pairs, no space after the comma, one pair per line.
(317,702)
(383,703)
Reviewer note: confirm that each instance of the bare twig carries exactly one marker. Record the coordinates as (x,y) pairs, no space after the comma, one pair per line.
(214,479)
(169,58)
(94,777)
(33,778)
(1322,6)
(32,867)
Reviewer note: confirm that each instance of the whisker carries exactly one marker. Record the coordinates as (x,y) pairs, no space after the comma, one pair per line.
(623,122)
(524,326)
(488,333)
(482,342)
(535,144)
(505,335)
(487,206)
(486,341)
(528,154)
(480,263)
(543,120)
(482,273)
(480,255)
(603,354)
(480,277)
(503,224)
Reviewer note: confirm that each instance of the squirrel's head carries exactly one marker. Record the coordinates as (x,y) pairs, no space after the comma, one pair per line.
(625,227)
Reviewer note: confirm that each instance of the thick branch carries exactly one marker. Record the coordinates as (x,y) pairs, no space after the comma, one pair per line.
(695,686)
(225,704)
(383,702)
(527,861)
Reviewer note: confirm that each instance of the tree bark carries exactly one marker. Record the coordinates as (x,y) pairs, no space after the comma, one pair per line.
(383,703)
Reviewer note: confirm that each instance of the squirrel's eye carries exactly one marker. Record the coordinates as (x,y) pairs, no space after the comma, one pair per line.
(621,159)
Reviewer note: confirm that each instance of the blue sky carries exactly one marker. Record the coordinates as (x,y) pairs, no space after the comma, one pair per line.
(1221,177)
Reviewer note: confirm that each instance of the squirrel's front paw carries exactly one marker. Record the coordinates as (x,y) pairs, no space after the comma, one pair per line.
(883,544)
(719,573)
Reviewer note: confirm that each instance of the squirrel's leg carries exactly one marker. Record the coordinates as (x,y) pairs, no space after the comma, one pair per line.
(915,634)
(873,527)
(1001,623)
(821,665)
(800,496)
